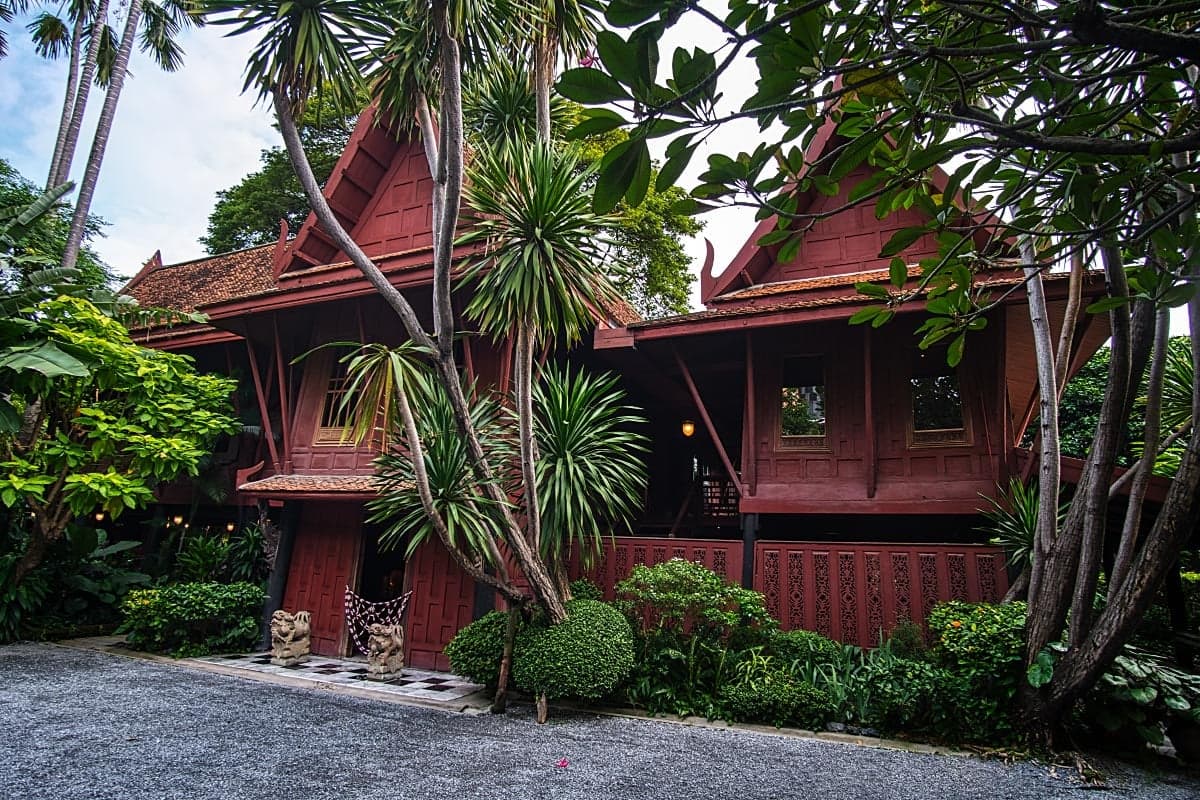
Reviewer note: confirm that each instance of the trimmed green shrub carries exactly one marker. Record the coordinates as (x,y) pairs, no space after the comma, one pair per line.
(476,650)
(982,645)
(688,598)
(691,628)
(902,694)
(583,589)
(907,640)
(190,619)
(778,699)
(804,648)
(586,656)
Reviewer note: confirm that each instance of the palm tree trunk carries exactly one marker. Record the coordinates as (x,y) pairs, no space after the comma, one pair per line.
(64,122)
(86,78)
(533,513)
(544,48)
(108,111)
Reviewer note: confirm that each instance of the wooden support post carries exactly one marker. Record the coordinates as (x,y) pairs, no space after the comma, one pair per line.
(749,537)
(268,433)
(708,423)
(871,454)
(277,583)
(285,416)
(750,429)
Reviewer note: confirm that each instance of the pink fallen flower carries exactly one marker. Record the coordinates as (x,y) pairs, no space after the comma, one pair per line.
(562,762)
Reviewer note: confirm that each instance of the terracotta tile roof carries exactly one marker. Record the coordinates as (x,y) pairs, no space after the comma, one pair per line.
(622,312)
(1005,278)
(190,284)
(285,484)
(833,281)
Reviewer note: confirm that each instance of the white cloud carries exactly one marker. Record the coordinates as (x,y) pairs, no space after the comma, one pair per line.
(177,139)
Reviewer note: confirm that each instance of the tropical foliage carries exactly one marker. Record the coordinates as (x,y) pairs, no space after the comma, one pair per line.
(992,89)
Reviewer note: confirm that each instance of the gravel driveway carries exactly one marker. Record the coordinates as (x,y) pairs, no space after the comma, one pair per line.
(83,724)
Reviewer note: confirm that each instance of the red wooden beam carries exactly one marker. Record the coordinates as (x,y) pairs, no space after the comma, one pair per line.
(708,423)
(285,417)
(750,446)
(872,455)
(268,433)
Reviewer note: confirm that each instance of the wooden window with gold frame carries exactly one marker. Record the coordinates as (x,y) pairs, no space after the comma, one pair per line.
(802,404)
(331,426)
(938,416)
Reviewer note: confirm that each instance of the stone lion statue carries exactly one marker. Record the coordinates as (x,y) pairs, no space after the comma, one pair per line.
(385,650)
(291,637)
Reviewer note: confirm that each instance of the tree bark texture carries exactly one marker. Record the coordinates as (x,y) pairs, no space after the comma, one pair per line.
(91,175)
(1144,469)
(86,78)
(513,620)
(1048,471)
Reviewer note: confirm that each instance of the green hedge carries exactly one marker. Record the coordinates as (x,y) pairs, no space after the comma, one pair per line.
(189,619)
(804,647)
(587,656)
(476,650)
(778,699)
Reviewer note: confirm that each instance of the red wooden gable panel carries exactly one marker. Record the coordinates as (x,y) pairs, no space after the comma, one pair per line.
(848,241)
(442,603)
(855,592)
(324,561)
(400,215)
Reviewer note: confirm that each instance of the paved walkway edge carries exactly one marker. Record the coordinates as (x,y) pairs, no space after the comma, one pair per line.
(479,704)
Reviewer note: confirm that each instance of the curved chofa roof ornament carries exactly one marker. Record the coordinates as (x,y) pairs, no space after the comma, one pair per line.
(707,281)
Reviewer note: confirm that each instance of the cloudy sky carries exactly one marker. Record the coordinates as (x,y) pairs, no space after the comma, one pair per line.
(178,139)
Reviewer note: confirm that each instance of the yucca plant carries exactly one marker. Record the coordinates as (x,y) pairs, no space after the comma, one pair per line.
(591,474)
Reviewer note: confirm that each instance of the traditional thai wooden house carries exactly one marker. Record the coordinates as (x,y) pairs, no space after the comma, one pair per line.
(837,469)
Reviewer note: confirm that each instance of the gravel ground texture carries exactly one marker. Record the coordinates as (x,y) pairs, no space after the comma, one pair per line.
(83,724)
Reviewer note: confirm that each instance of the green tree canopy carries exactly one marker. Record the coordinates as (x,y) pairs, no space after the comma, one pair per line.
(43,242)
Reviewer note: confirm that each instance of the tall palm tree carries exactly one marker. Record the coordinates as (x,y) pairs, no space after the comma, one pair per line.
(90,22)
(539,280)
(159,24)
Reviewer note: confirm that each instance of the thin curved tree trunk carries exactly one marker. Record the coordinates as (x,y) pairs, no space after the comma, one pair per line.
(108,112)
(64,122)
(511,623)
(524,369)
(86,78)
(1046,531)
(1066,337)
(1145,466)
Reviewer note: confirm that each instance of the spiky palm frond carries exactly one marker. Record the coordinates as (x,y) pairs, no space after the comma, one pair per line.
(533,211)
(306,48)
(457,496)
(499,108)
(1013,520)
(591,474)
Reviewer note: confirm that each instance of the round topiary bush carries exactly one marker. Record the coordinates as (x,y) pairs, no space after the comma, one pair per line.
(583,589)
(806,647)
(586,656)
(476,650)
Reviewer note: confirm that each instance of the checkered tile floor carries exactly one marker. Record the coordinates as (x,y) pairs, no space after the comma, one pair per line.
(437,686)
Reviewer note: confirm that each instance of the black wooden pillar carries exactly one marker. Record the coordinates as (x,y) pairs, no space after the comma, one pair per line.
(277,584)
(749,537)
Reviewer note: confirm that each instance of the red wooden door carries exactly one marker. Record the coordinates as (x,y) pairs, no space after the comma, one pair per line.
(324,561)
(443,598)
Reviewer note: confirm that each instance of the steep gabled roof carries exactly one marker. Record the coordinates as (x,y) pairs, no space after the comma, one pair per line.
(845,242)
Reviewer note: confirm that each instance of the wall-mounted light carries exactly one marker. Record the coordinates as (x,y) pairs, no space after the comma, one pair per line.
(99,516)
(229,526)
(177,519)
(688,428)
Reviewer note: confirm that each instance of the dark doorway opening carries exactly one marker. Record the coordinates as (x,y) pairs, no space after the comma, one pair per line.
(382,572)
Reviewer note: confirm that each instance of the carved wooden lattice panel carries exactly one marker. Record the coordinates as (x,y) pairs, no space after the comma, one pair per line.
(854,592)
